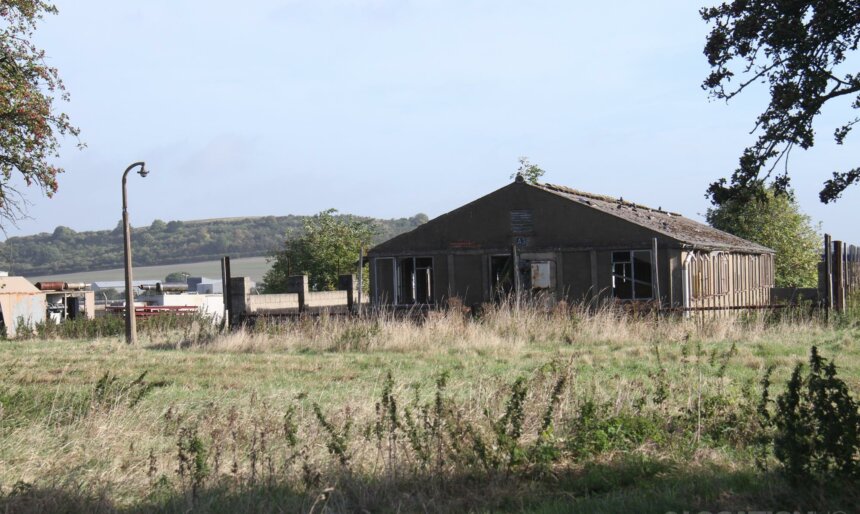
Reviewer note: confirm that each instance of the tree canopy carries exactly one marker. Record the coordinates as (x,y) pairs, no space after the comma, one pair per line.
(799,49)
(29,122)
(775,221)
(327,248)
(176,277)
(174,242)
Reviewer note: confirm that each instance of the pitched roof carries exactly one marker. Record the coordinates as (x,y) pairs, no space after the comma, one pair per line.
(669,223)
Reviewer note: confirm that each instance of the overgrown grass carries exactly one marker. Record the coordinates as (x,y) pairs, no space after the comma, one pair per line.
(513,411)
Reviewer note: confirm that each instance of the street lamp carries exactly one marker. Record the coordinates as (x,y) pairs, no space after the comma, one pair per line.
(130,325)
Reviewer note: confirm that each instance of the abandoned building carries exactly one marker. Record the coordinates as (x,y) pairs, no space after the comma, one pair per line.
(23,305)
(567,244)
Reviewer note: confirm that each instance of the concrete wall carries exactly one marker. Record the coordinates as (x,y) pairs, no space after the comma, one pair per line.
(211,305)
(272,303)
(245,303)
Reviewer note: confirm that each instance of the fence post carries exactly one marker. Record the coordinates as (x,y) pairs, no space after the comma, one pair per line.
(225,290)
(240,297)
(828,275)
(515,263)
(298,284)
(360,276)
(347,283)
(655,276)
(853,266)
(838,277)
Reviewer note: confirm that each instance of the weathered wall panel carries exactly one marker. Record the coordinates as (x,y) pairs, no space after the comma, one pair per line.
(468,279)
(576,272)
(383,281)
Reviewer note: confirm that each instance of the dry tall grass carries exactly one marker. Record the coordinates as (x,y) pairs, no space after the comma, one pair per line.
(301,416)
(507,329)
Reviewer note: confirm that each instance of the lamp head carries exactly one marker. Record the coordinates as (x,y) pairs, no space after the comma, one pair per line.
(143,171)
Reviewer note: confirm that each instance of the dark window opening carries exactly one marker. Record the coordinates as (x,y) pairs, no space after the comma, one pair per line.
(631,275)
(501,276)
(416,280)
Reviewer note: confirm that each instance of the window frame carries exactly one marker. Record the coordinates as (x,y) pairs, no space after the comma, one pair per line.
(398,276)
(631,260)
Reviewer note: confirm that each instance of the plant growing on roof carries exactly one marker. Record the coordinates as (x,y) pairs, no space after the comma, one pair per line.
(530,172)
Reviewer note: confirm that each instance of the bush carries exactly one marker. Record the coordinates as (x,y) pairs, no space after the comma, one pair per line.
(817,424)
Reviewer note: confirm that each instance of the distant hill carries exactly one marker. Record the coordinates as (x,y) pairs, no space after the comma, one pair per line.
(67,251)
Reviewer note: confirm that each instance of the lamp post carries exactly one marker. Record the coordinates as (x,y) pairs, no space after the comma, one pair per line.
(130,325)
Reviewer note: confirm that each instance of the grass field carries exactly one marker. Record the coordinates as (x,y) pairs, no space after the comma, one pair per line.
(515,412)
(254,267)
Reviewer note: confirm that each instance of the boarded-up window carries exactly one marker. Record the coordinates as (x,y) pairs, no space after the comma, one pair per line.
(522,222)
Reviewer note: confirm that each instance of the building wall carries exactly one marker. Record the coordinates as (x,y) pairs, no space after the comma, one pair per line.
(577,276)
(577,283)
(721,279)
(577,240)
(22,311)
(486,224)
(468,282)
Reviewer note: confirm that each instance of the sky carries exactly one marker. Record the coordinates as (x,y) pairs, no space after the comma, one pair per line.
(388,108)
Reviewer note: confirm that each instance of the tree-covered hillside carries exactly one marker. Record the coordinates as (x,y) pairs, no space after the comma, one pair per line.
(67,251)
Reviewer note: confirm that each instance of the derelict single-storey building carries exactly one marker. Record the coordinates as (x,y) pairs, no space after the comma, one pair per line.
(570,245)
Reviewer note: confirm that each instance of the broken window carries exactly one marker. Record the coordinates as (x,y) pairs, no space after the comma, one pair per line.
(631,275)
(501,276)
(415,278)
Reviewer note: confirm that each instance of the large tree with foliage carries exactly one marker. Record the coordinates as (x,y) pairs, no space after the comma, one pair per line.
(29,122)
(799,50)
(327,247)
(775,221)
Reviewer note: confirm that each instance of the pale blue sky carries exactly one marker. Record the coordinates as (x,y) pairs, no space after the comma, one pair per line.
(388,108)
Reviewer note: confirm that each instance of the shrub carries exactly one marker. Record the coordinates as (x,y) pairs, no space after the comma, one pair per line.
(817,424)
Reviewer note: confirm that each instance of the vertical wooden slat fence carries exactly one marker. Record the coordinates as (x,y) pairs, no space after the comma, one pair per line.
(840,277)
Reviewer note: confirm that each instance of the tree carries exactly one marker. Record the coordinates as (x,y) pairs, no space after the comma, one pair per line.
(775,221)
(29,124)
(799,49)
(176,276)
(327,248)
(530,172)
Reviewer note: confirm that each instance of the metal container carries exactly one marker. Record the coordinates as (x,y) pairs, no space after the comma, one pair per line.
(50,286)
